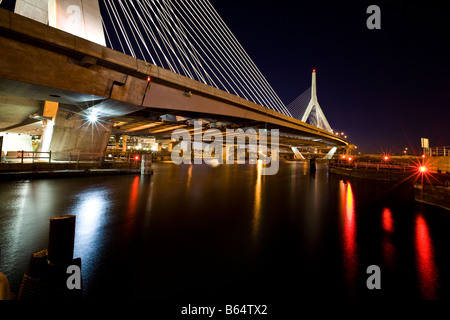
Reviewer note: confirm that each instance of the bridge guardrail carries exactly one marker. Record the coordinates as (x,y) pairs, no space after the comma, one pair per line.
(439,151)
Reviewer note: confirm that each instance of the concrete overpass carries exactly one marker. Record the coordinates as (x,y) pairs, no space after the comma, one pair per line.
(55,75)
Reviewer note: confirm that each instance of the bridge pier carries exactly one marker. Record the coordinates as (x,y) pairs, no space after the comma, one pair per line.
(70,132)
(124,142)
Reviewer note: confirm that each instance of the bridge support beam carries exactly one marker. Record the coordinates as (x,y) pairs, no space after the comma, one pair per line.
(297,154)
(330,153)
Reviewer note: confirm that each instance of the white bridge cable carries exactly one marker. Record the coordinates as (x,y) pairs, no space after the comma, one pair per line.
(243,56)
(133,28)
(208,56)
(122,28)
(248,62)
(147,27)
(299,105)
(137,29)
(115,30)
(181,36)
(162,32)
(186,73)
(107,35)
(226,52)
(223,64)
(193,52)
(189,38)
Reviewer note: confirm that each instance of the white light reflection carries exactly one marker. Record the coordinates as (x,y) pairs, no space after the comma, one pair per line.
(257,203)
(90,210)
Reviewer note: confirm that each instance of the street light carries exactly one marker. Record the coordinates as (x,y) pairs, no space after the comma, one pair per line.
(92,118)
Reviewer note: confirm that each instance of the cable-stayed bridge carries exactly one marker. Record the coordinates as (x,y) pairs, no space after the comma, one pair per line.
(178,63)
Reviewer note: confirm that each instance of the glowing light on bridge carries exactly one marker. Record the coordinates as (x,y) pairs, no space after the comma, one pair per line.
(92,117)
(423,169)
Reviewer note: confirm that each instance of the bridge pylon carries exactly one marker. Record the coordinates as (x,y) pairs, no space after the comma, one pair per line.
(313,110)
(81,18)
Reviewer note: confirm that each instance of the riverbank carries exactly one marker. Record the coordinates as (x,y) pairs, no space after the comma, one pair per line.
(27,175)
(397,175)
(432,189)
(432,195)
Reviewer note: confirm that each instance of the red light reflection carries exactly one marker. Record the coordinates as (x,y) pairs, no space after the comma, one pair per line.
(426,268)
(349,233)
(133,196)
(389,252)
(132,205)
(388,223)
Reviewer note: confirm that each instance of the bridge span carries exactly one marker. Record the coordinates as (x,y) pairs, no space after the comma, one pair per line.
(49,77)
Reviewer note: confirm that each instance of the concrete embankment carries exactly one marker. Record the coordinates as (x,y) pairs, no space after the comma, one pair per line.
(394,175)
(22,171)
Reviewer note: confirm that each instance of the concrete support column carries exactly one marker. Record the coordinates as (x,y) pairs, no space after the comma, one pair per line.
(72,133)
(117,139)
(124,143)
(50,111)
(228,154)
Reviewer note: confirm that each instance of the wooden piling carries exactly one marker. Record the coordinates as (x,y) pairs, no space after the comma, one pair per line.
(61,239)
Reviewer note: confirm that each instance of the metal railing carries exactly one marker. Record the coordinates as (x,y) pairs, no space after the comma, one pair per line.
(373,166)
(34,155)
(23,156)
(439,152)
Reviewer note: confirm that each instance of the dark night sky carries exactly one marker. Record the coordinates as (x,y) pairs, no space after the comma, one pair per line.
(384,88)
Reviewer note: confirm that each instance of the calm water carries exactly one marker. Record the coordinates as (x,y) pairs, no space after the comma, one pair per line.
(227,231)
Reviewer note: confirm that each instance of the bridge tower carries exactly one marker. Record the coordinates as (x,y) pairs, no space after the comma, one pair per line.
(313,110)
(65,131)
(78,17)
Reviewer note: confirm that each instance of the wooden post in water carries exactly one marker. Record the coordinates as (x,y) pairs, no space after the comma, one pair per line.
(51,271)
(312,164)
(61,239)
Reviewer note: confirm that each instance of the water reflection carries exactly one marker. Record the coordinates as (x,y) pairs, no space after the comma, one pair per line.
(350,260)
(90,209)
(426,268)
(389,252)
(132,204)
(257,203)
(192,222)
(388,222)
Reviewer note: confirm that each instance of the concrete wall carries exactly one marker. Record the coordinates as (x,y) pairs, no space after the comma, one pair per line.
(441,163)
